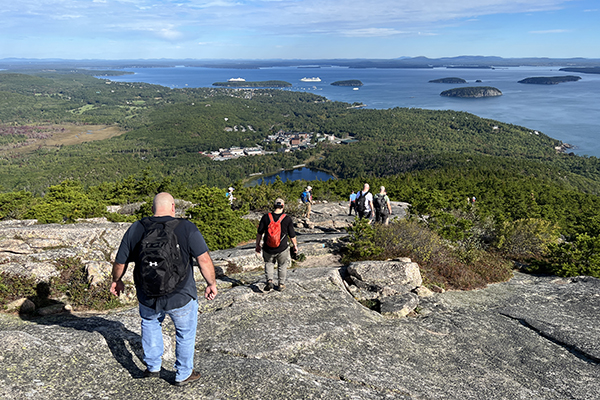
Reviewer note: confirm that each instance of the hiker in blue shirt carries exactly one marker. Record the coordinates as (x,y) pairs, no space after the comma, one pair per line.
(352,203)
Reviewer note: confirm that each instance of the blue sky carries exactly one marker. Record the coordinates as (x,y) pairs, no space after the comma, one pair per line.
(302,29)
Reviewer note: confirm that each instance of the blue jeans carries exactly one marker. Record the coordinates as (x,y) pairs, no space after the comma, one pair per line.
(185,320)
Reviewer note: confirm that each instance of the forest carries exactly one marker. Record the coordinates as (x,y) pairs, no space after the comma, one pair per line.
(535,205)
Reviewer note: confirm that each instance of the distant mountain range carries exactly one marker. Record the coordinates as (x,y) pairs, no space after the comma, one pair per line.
(402,62)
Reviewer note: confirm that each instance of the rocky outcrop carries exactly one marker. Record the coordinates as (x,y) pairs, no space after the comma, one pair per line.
(533,337)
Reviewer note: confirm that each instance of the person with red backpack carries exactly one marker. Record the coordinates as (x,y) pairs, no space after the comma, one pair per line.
(276,227)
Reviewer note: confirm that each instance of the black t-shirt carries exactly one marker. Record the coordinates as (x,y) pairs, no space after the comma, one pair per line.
(192,245)
(287,229)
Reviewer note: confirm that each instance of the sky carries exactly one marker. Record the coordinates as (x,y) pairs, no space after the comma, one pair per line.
(298,29)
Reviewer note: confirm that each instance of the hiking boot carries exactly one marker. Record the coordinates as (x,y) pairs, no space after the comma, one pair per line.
(192,378)
(150,374)
(269,286)
(281,287)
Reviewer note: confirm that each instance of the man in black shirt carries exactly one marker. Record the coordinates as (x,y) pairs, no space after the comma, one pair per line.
(280,253)
(181,304)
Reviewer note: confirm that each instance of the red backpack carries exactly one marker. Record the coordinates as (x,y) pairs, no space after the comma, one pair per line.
(273,238)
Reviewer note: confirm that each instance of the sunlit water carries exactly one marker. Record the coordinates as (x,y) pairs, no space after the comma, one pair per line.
(568,111)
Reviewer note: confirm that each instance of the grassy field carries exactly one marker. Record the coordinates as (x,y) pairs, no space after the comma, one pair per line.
(63,135)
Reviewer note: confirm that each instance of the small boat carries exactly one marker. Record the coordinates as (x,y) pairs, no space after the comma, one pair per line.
(355,88)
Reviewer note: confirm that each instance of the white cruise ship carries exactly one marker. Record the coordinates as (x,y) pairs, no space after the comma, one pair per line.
(315,79)
(236,80)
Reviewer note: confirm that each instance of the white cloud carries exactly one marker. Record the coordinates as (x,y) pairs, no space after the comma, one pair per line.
(371,32)
(549,31)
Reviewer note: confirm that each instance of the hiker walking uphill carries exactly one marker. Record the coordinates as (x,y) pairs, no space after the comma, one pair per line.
(162,248)
(364,203)
(383,208)
(276,227)
(307,200)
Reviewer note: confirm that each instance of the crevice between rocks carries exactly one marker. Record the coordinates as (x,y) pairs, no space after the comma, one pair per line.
(573,349)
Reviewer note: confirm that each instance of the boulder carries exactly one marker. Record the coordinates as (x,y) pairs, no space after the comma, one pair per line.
(398,306)
(395,277)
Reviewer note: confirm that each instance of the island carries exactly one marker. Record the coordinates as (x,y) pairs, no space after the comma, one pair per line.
(255,84)
(582,70)
(550,80)
(472,92)
(448,80)
(350,82)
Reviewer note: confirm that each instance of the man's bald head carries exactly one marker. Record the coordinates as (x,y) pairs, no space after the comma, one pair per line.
(163,205)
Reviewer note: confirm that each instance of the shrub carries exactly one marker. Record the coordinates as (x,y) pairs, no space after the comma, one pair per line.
(526,238)
(73,282)
(580,257)
(65,202)
(440,263)
(13,287)
(221,226)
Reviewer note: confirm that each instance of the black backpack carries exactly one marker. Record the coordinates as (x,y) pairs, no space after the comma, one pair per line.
(159,266)
(380,204)
(361,202)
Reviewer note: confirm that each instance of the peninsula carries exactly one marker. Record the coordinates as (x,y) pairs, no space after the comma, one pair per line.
(550,80)
(256,84)
(350,82)
(472,92)
(448,80)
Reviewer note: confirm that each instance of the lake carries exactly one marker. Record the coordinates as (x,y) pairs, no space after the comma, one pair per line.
(568,111)
(303,173)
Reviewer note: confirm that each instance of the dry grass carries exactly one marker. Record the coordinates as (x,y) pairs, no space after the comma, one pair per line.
(71,135)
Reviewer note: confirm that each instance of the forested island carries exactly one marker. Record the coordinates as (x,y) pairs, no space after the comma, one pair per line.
(448,80)
(350,82)
(550,80)
(255,84)
(472,92)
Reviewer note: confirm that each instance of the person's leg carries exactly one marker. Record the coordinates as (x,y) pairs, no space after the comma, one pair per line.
(284,259)
(185,320)
(152,339)
(269,265)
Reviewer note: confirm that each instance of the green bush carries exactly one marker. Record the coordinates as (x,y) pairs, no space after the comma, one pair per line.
(580,257)
(65,202)
(14,205)
(221,226)
(526,238)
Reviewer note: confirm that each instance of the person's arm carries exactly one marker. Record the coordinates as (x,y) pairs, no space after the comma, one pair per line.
(117,286)
(295,243)
(258,239)
(389,204)
(207,269)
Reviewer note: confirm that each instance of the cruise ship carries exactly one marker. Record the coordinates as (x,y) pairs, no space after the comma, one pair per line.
(236,80)
(315,79)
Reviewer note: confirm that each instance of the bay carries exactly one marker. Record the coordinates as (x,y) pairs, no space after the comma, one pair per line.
(568,111)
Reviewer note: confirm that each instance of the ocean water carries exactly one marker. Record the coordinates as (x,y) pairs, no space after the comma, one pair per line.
(568,111)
